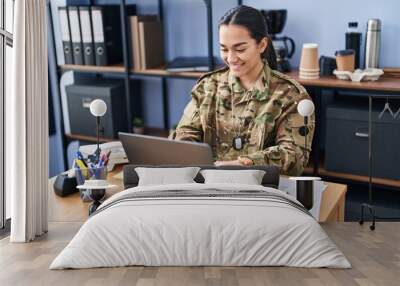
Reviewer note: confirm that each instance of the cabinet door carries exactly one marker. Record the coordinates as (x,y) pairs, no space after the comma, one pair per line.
(385,146)
(347,146)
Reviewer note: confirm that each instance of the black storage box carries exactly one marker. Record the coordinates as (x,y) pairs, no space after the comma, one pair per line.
(347,141)
(79,97)
(64,186)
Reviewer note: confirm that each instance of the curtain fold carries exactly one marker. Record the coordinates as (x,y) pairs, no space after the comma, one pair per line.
(27,123)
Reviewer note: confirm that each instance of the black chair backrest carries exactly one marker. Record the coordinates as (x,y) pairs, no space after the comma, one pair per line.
(270,179)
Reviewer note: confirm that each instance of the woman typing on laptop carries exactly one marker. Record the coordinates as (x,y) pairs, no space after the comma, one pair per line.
(247,110)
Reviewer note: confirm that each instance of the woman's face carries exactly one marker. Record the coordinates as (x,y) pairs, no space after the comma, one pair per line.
(239,50)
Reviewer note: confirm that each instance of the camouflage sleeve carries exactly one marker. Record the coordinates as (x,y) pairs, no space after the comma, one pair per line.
(189,127)
(289,153)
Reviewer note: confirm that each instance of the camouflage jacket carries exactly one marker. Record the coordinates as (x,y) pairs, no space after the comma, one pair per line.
(265,116)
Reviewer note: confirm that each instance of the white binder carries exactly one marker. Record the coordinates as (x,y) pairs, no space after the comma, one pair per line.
(87,39)
(98,36)
(75,35)
(65,35)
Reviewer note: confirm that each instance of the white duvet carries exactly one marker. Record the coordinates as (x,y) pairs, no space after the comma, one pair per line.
(200,231)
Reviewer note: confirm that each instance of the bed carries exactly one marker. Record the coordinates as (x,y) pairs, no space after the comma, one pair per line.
(201,224)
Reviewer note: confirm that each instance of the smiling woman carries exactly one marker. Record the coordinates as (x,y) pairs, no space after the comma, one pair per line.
(247,110)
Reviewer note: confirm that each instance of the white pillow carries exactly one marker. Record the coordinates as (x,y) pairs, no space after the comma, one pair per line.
(163,176)
(248,177)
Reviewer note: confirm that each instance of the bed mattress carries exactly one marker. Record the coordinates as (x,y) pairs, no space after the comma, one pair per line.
(201,225)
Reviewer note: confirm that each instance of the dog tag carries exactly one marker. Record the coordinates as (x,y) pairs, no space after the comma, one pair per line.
(237,143)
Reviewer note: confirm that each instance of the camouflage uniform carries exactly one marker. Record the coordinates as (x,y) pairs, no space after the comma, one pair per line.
(266,116)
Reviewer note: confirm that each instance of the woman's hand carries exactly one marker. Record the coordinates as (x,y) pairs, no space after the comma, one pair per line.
(239,162)
(227,163)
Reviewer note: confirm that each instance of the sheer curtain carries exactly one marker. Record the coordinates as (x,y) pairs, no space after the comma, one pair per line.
(27,123)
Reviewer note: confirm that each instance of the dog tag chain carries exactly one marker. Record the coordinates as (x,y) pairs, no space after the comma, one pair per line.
(238,140)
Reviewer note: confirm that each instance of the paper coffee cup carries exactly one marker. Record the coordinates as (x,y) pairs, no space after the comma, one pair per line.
(345,60)
(305,76)
(309,57)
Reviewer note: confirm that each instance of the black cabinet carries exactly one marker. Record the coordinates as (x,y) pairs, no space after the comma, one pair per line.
(79,97)
(347,141)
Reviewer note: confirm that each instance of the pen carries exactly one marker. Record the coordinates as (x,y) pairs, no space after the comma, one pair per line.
(107,157)
(82,166)
(80,157)
(79,177)
(91,169)
(101,162)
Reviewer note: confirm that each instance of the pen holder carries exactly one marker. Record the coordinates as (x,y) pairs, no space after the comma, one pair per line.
(91,173)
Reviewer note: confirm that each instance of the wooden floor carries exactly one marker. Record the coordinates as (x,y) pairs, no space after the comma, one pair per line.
(375,257)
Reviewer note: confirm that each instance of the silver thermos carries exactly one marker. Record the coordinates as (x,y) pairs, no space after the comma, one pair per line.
(372,43)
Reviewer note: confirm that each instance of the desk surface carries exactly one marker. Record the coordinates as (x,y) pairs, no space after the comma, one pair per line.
(72,209)
(384,84)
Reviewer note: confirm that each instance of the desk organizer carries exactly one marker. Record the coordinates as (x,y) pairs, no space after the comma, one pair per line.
(358,75)
(86,174)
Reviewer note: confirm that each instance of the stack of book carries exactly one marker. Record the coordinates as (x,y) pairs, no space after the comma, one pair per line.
(147,42)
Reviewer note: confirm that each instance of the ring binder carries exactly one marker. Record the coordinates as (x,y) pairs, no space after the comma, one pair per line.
(75,35)
(107,34)
(98,36)
(65,35)
(87,37)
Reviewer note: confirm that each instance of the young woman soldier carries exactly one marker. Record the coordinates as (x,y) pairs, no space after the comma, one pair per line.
(247,110)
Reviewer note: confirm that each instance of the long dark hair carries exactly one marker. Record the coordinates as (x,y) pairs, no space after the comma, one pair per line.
(254,22)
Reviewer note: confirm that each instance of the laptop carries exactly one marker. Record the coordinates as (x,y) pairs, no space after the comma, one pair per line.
(151,150)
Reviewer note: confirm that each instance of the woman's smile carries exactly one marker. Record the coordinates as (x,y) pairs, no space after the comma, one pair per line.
(236,66)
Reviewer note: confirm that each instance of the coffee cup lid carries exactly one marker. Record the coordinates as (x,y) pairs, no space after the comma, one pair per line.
(96,184)
(344,52)
(305,178)
(310,45)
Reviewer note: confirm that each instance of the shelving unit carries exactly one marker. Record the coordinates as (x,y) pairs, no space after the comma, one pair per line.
(92,69)
(87,138)
(166,74)
(120,69)
(351,177)
(359,178)
(148,130)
